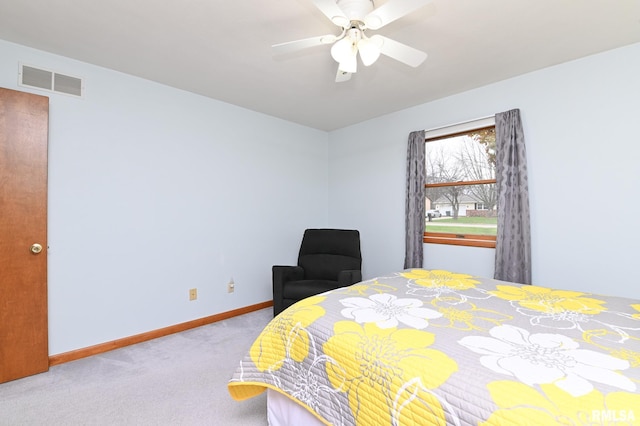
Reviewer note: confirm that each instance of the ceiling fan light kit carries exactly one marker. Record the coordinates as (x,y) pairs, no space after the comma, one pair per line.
(344,53)
(355,17)
(369,49)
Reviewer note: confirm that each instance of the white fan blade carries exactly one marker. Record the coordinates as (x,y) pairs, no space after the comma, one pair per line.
(342,76)
(333,12)
(390,11)
(292,46)
(400,52)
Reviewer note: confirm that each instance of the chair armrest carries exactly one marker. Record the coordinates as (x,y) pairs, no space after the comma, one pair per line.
(349,277)
(281,275)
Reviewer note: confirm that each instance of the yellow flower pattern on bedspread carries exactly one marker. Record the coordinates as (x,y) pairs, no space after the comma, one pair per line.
(380,360)
(550,301)
(438,347)
(637,308)
(551,406)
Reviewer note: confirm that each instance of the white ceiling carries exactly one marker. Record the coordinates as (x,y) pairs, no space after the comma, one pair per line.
(222,49)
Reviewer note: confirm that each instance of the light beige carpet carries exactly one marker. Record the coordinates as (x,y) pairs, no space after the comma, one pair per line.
(174,380)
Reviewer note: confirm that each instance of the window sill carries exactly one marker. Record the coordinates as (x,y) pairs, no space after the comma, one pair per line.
(460,240)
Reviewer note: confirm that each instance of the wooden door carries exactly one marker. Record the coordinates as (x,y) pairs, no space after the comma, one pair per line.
(24,121)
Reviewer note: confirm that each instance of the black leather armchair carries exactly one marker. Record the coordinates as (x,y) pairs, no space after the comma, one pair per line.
(328,259)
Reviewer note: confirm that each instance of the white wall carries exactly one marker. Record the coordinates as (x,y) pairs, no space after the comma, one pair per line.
(580,122)
(153,191)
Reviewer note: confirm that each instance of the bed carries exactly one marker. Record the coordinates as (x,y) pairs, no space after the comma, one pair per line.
(435,347)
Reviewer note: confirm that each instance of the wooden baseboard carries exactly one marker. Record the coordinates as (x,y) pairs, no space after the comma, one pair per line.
(139,338)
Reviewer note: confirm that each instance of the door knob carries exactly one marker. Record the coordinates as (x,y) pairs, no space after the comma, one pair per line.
(36,248)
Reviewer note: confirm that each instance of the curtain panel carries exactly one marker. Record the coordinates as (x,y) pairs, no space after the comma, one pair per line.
(415,202)
(513,241)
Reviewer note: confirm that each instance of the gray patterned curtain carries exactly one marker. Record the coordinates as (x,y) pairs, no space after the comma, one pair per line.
(414,207)
(513,242)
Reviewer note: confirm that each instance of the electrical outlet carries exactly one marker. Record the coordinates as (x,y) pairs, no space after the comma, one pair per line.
(231,287)
(193,294)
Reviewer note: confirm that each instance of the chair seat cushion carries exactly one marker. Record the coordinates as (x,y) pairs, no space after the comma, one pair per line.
(301,289)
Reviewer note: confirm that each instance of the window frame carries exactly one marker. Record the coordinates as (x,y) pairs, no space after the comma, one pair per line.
(469,240)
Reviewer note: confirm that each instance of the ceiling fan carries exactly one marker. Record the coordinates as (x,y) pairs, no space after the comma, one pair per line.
(355,18)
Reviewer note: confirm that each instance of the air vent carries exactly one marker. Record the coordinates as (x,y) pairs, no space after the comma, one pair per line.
(50,81)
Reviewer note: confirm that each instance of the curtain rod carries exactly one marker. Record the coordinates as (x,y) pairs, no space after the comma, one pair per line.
(460,123)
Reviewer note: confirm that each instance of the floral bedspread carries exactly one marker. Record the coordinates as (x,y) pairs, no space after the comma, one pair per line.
(433,347)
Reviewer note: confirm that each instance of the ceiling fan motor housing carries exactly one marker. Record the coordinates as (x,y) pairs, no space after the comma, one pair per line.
(355,10)
(355,17)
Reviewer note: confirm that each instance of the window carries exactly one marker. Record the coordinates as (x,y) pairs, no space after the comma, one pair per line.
(461,186)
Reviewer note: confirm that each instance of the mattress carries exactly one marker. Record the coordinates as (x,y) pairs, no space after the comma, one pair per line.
(438,347)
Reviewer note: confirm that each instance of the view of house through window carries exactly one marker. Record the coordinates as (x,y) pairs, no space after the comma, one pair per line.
(461,196)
